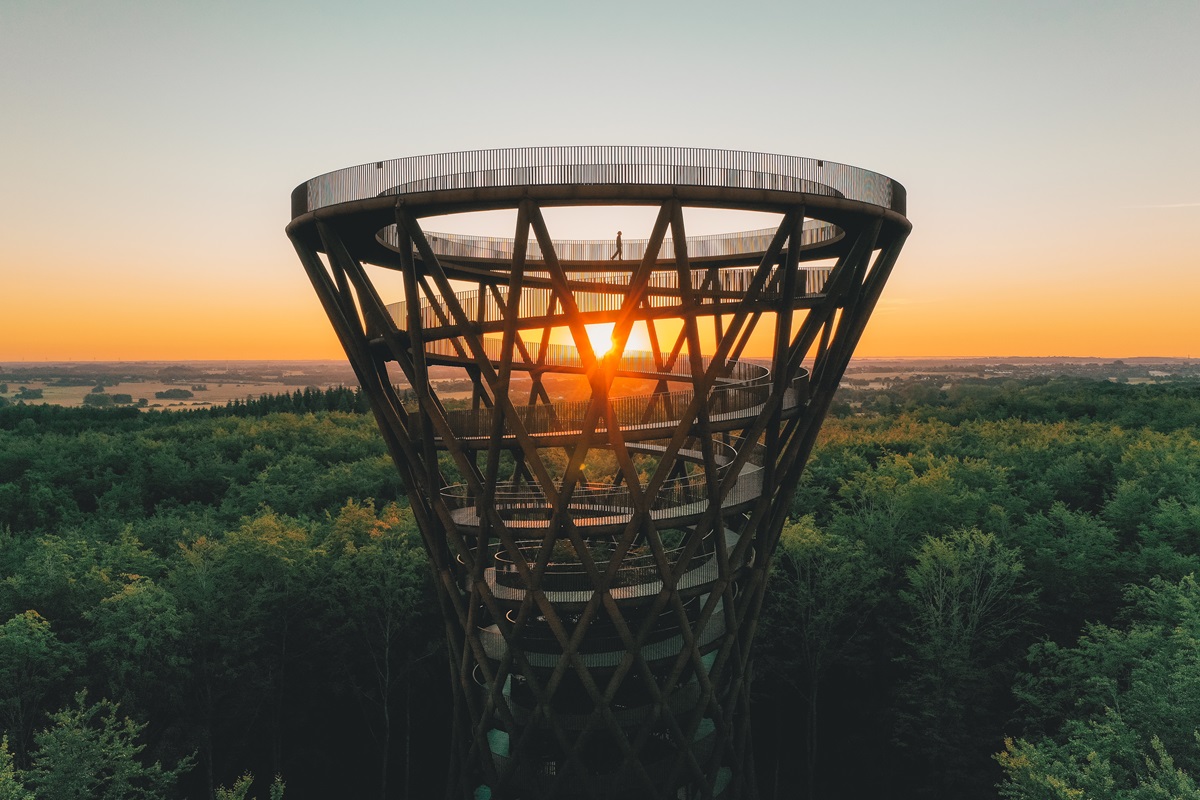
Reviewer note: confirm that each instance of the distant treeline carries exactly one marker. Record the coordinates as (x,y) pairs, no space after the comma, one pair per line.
(350,400)
(1161,407)
(1164,406)
(301,401)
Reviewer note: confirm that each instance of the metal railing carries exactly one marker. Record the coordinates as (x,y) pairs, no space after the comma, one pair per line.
(577,588)
(732,401)
(637,575)
(603,504)
(495,646)
(635,362)
(605,291)
(457,245)
(507,495)
(602,634)
(599,164)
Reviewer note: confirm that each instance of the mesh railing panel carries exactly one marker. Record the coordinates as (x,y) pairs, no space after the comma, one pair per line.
(456,245)
(662,292)
(598,164)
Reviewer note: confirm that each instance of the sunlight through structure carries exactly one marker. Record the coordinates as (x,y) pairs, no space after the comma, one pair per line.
(600,519)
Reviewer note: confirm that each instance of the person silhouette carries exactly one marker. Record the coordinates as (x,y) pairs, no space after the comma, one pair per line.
(617,253)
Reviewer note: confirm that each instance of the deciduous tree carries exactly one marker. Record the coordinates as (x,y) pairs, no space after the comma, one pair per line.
(89,753)
(823,589)
(33,665)
(965,597)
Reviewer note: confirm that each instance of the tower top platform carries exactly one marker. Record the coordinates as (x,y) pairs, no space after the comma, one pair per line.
(362,198)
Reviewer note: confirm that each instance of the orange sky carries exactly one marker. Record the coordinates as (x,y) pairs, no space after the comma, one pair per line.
(148,153)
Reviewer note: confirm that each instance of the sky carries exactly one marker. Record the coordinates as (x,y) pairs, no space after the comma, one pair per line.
(148,150)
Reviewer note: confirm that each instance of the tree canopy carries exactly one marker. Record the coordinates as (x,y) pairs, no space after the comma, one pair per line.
(985,589)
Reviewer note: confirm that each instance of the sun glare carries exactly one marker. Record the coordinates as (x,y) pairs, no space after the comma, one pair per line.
(600,335)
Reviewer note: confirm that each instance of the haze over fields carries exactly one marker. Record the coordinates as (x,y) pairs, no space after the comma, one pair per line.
(204,384)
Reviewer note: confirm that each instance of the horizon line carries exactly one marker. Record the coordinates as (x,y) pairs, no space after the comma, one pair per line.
(341,361)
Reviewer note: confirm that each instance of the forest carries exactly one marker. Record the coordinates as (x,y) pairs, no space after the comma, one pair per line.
(986,589)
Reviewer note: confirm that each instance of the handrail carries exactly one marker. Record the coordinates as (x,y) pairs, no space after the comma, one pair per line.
(495,646)
(602,504)
(633,579)
(530,548)
(458,245)
(641,412)
(506,494)
(742,385)
(632,362)
(540,639)
(633,569)
(597,165)
(606,291)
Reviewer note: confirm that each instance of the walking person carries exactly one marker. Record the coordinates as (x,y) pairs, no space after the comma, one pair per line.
(617,253)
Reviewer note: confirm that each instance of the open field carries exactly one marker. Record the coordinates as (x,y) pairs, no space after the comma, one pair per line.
(211,383)
(216,393)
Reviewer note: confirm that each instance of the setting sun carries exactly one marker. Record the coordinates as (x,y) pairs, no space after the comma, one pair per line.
(600,335)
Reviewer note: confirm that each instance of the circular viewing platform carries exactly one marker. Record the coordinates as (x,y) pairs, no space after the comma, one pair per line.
(477,175)
(362,197)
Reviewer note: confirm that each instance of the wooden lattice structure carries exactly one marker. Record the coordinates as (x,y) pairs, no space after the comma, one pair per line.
(601,558)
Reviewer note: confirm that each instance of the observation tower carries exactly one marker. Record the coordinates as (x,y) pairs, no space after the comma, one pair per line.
(600,510)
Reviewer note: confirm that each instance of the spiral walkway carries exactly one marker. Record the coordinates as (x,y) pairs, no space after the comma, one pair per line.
(600,523)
